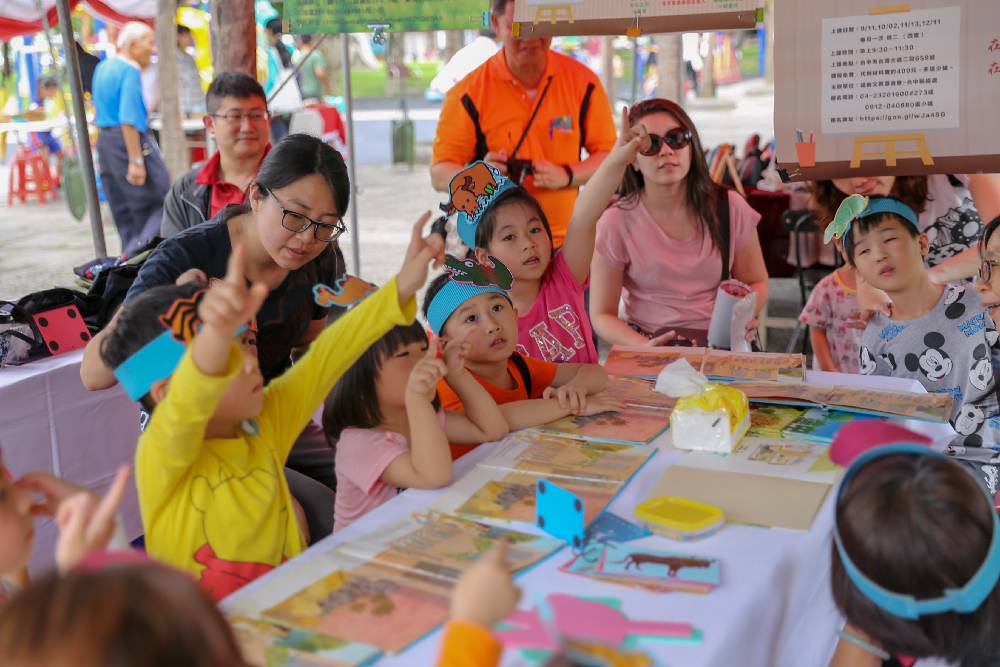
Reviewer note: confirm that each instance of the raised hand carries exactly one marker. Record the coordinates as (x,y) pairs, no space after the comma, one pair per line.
(632,140)
(421,251)
(229,303)
(455,350)
(425,376)
(86,524)
(485,593)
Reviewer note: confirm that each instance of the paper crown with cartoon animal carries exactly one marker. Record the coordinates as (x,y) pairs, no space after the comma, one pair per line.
(466,279)
(858,206)
(473,190)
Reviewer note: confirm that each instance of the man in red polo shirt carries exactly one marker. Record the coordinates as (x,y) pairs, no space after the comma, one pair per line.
(238,119)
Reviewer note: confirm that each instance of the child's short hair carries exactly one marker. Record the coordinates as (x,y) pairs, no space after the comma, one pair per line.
(917,525)
(517,195)
(138,323)
(353,403)
(865,224)
(144,614)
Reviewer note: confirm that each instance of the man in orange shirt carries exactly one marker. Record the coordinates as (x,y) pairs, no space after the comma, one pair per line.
(486,114)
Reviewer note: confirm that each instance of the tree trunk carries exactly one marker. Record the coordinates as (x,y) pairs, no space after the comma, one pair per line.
(172,141)
(668,67)
(333,55)
(706,82)
(234,37)
(608,69)
(452,43)
(769,46)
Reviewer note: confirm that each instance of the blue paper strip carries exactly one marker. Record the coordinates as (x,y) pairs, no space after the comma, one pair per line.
(156,361)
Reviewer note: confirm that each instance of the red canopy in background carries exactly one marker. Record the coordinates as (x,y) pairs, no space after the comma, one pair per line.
(20,17)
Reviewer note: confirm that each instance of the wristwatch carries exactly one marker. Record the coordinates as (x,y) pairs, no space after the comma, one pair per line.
(569,172)
(137,161)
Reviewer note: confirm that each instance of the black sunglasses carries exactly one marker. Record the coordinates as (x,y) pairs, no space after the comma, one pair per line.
(676,138)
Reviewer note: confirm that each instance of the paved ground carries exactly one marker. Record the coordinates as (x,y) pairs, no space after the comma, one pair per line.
(40,244)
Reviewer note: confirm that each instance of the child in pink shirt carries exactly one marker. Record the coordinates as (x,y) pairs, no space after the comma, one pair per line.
(499,219)
(392,432)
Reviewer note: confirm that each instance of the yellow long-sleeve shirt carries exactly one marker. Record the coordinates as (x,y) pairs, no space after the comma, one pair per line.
(220,508)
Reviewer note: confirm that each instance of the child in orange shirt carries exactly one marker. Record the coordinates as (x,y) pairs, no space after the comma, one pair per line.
(470,301)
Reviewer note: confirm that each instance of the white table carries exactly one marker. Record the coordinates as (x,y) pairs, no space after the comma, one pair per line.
(49,422)
(773,608)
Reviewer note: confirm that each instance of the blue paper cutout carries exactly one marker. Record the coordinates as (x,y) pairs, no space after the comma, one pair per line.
(156,361)
(609,527)
(559,513)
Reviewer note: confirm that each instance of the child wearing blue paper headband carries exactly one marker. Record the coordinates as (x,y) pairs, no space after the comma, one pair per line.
(470,302)
(499,219)
(388,425)
(209,466)
(915,561)
(941,336)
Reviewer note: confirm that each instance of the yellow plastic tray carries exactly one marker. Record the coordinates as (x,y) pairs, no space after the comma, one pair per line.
(673,515)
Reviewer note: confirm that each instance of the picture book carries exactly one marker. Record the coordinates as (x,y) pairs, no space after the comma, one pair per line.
(502,486)
(387,589)
(772,420)
(637,392)
(265,644)
(631,426)
(759,366)
(629,561)
(878,402)
(819,425)
(771,457)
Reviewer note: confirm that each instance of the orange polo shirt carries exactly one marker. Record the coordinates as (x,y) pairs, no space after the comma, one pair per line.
(575,114)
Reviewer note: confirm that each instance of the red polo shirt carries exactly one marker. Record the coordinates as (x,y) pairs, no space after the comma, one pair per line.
(224,193)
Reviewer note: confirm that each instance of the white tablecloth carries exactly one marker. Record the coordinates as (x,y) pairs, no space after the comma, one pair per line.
(773,608)
(49,422)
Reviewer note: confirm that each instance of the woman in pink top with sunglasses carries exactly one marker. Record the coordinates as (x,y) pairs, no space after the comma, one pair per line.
(658,246)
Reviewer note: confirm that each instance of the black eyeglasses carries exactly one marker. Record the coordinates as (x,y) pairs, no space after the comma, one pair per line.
(676,138)
(298,223)
(236,118)
(986,270)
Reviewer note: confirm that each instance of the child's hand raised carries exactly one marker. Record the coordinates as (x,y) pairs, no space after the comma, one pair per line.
(485,593)
(229,303)
(425,376)
(86,524)
(455,351)
(632,140)
(422,249)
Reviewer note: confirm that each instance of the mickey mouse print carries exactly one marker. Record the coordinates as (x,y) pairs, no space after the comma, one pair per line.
(953,350)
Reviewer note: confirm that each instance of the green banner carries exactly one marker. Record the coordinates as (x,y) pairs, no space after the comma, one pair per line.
(338,16)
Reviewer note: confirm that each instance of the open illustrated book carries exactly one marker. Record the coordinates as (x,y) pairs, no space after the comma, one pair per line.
(502,486)
(649,361)
(384,591)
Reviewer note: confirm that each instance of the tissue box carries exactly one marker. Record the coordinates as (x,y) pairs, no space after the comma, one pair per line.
(713,420)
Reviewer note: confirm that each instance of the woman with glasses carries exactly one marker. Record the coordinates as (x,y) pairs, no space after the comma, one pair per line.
(289,229)
(671,238)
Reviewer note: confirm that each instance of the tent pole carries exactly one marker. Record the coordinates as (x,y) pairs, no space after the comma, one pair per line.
(352,155)
(80,115)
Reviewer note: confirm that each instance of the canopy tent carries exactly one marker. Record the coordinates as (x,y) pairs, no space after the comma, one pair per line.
(20,17)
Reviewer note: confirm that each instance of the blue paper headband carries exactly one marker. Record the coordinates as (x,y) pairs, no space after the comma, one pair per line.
(156,360)
(962,600)
(858,206)
(473,190)
(467,280)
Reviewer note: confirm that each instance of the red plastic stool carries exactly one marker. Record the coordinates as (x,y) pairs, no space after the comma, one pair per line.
(29,175)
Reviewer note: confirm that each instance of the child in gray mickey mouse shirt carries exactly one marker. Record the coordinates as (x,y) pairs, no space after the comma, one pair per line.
(941,336)
(948,350)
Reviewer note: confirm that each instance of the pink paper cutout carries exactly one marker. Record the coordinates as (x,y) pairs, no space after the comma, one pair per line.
(595,621)
(856,438)
(530,632)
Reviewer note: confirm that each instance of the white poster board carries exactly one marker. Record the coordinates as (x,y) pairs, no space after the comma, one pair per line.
(867,89)
(540,18)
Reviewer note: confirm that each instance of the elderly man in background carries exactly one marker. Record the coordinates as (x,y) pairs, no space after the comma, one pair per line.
(133,174)
(545,105)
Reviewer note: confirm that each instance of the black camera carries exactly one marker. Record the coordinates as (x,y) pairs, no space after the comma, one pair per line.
(518,169)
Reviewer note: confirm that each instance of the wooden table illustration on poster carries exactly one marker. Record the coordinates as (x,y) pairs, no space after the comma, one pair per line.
(539,18)
(867,89)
